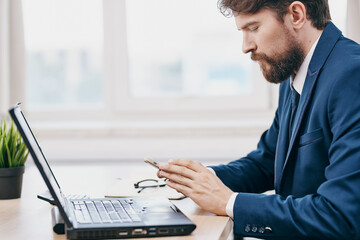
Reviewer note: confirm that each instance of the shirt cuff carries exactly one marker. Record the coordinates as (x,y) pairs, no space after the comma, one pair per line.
(230,205)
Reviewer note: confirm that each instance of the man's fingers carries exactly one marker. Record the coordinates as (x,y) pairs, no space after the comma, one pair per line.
(180,170)
(158,174)
(193,165)
(178,187)
(182,166)
(176,178)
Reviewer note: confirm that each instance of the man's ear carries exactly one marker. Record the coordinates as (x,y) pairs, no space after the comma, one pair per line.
(297,12)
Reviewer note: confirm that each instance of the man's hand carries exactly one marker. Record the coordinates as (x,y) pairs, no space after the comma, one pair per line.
(196,182)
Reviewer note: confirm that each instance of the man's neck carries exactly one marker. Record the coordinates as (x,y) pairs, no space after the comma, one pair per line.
(308,37)
(298,81)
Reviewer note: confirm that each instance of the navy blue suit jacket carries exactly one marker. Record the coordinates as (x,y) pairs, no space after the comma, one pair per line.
(316,174)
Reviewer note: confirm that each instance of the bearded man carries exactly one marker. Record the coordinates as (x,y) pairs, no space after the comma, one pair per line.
(310,155)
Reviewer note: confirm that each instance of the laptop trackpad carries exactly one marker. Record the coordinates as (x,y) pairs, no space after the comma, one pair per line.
(158,209)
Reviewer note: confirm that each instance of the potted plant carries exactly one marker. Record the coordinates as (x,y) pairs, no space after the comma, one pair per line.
(13,154)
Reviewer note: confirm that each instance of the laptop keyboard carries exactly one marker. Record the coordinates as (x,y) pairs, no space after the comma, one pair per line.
(105,211)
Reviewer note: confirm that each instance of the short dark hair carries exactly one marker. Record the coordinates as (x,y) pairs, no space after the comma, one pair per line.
(317,10)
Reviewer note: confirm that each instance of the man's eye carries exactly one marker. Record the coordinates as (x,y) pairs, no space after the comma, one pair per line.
(254,29)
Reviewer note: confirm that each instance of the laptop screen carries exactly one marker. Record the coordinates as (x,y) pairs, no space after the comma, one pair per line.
(37,155)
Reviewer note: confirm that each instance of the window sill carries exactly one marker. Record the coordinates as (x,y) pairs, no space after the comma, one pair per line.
(150,129)
(84,141)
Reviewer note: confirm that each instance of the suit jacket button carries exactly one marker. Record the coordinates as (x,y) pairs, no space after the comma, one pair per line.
(261,229)
(254,229)
(247,228)
(268,229)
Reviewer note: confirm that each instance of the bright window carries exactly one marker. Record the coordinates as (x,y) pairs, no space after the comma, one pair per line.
(64,42)
(184,48)
(139,56)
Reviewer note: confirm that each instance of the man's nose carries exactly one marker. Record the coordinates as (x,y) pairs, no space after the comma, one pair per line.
(248,45)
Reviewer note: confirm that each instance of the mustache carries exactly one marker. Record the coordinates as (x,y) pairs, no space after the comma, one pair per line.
(259,56)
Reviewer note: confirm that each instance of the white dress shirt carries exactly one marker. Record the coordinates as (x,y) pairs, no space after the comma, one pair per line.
(297,83)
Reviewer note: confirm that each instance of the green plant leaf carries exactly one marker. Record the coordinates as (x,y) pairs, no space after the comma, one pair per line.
(25,158)
(13,141)
(13,151)
(9,160)
(2,160)
(20,156)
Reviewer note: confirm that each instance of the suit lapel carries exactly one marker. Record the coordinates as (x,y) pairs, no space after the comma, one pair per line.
(304,102)
(325,45)
(283,137)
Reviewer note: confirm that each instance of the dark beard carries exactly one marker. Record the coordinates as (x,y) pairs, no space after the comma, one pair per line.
(281,66)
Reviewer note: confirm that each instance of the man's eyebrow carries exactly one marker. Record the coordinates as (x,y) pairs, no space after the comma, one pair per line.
(247,25)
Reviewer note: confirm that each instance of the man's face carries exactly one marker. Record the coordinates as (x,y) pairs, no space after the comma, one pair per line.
(271,44)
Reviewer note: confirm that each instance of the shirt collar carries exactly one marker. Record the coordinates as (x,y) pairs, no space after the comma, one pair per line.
(298,82)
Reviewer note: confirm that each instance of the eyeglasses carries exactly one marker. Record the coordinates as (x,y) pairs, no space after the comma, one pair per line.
(149,184)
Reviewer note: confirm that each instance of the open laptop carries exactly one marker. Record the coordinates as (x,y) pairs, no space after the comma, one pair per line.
(105,217)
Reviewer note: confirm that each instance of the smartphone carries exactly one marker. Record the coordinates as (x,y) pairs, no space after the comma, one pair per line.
(151,162)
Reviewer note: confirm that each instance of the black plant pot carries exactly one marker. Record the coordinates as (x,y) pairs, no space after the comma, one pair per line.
(11,182)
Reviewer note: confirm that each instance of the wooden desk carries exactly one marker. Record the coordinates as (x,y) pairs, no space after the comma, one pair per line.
(30,218)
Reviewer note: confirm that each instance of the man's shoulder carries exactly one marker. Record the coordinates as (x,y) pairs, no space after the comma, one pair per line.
(344,57)
(341,71)
(334,52)
(347,48)
(347,51)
